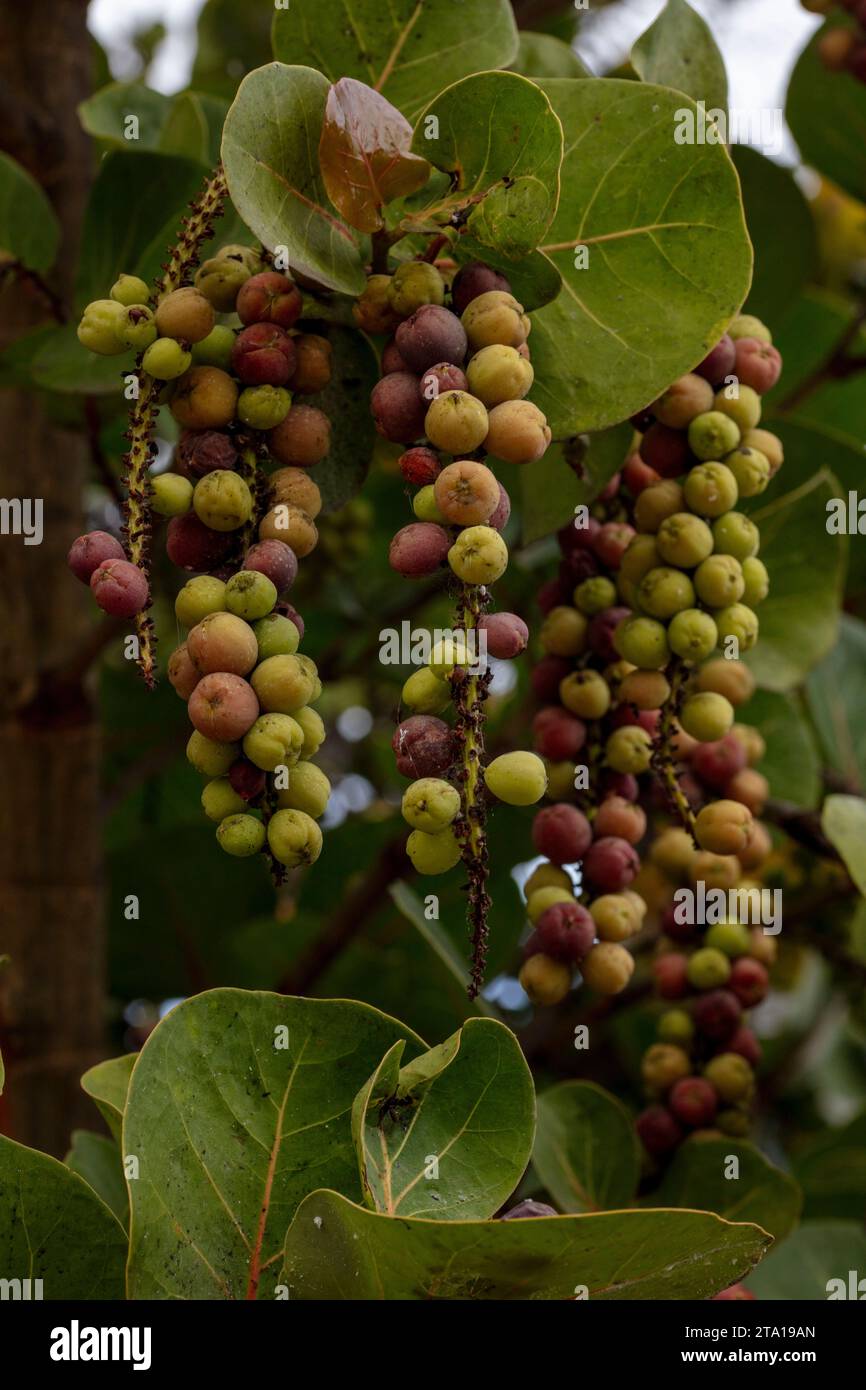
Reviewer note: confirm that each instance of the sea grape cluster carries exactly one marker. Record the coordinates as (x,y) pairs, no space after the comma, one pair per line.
(842,48)
(237,371)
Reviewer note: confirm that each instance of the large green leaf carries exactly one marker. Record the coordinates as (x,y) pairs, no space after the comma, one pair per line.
(586,1153)
(669,259)
(336,1250)
(551,488)
(239,1105)
(832,1172)
(792,763)
(408,49)
(270,152)
(346,402)
(802,1266)
(96,1159)
(827,115)
(126,115)
(107,1084)
(53,1227)
(498,138)
(843,820)
(29,230)
(772,199)
(544,55)
(835,696)
(449,1135)
(678,50)
(800,619)
(762,1193)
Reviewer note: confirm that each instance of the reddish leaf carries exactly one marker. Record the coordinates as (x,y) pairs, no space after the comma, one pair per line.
(364,154)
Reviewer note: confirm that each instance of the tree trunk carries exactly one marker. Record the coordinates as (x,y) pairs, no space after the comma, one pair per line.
(52,990)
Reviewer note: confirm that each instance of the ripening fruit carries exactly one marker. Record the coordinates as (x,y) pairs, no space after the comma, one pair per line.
(541,899)
(707,716)
(222,642)
(518,779)
(498,373)
(120,588)
(308,790)
(205,398)
(425,693)
(518,432)
(561,833)
(466,493)
(182,675)
(544,980)
(479,555)
(184,314)
(723,827)
(614,916)
(647,690)
(241,836)
(88,552)
(770,445)
(505,634)
(656,503)
(222,500)
(223,707)
(565,931)
(456,422)
(433,854)
(100,326)
(415,283)
(687,397)
(729,678)
(269,297)
(250,595)
(294,838)
(611,864)
(607,968)
(713,434)
(495,317)
(302,438)
(430,804)
(165,359)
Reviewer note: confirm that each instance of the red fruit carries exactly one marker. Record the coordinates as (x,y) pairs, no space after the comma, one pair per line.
(191,545)
(637,475)
(275,559)
(746,1044)
(658,1131)
(263,355)
(547,676)
(423,746)
(420,466)
(716,763)
(88,552)
(501,512)
(565,931)
(599,634)
(612,542)
(677,931)
(551,594)
(443,377)
(666,451)
(758,364)
(573,537)
(575,566)
(610,864)
(429,336)
(737,1293)
(247,780)
(506,635)
(749,981)
(269,298)
(558,735)
(561,833)
(203,451)
(419,549)
(391,359)
(120,588)
(671,975)
(627,715)
(620,784)
(223,707)
(693,1101)
(620,818)
(473,280)
(720,362)
(717,1014)
(398,408)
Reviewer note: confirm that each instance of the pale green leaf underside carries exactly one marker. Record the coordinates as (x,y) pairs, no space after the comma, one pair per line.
(843,820)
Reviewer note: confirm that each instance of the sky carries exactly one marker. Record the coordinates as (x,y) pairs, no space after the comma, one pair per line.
(760,41)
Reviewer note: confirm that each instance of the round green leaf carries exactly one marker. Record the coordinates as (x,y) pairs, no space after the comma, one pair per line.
(802,1267)
(678,50)
(53,1227)
(336,1250)
(107,1084)
(763,1194)
(772,199)
(544,55)
(128,115)
(668,261)
(843,820)
(96,1159)
(408,49)
(29,230)
(240,1102)
(270,152)
(792,763)
(800,619)
(586,1153)
(497,136)
(827,115)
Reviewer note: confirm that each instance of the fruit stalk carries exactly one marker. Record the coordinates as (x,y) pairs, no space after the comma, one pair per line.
(470,694)
(138,520)
(663,762)
(195,231)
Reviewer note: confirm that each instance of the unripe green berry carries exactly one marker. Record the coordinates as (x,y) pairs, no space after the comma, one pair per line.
(643,642)
(447,654)
(276,636)
(662,1065)
(209,758)
(756,581)
(656,503)
(137,327)
(518,779)
(629,750)
(543,898)
(130,289)
(170,494)
(749,326)
(665,591)
(99,329)
(744,408)
(751,469)
(710,489)
(712,435)
(283,684)
(708,968)
(294,838)
(707,716)
(263,407)
(719,580)
(313,728)
(216,349)
(740,622)
(731,938)
(692,635)
(594,595)
(308,790)
(479,555)
(430,804)
(546,981)
(731,1076)
(433,854)
(736,535)
(547,876)
(274,741)
(424,505)
(198,598)
(684,540)
(499,373)
(585,693)
(640,557)
(222,500)
(166,360)
(676,1026)
(615,917)
(563,632)
(250,595)
(425,693)
(219,799)
(241,836)
(560,780)
(415,283)
(607,967)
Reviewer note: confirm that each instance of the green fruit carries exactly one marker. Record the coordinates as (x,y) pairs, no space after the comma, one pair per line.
(430,804)
(456,422)
(719,581)
(311,671)
(198,598)
(563,632)
(629,750)
(250,595)
(219,279)
(479,555)
(710,489)
(712,435)
(313,729)
(425,693)
(594,595)
(499,373)
(708,968)
(137,327)
(751,469)
(664,592)
(100,326)
(731,938)
(222,500)
(166,360)
(424,505)
(415,283)
(692,635)
(543,898)
(585,693)
(308,791)
(684,540)
(641,556)
(433,854)
(294,838)
(748,326)
(736,535)
(756,582)
(663,1064)
(283,684)
(744,408)
(129,290)
(676,1026)
(740,622)
(170,494)
(447,654)
(707,716)
(547,876)
(219,799)
(209,758)
(615,917)
(276,636)
(518,779)
(216,349)
(241,836)
(643,642)
(731,1076)
(495,317)
(274,741)
(264,407)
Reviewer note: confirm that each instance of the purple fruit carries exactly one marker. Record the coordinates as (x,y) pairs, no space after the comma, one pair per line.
(275,559)
(120,588)
(423,746)
(431,335)
(88,553)
(419,549)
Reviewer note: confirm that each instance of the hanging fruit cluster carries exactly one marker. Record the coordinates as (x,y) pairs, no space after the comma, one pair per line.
(842,49)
